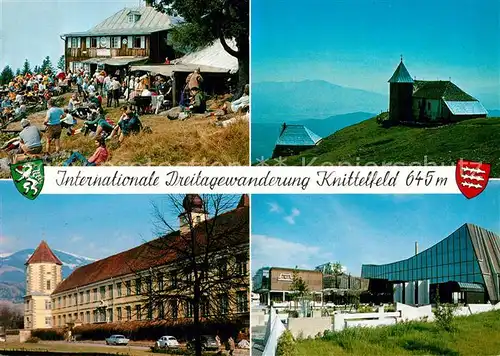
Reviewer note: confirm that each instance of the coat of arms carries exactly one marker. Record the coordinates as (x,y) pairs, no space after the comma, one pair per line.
(472,177)
(28,177)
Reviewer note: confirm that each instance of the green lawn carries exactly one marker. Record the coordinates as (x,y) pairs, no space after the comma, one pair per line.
(475,335)
(369,143)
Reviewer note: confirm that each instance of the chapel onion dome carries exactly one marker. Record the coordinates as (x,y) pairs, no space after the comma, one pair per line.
(193,203)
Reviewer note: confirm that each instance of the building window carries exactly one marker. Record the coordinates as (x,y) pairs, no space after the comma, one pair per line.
(129,313)
(129,288)
(138,315)
(137,42)
(161,311)
(132,17)
(150,311)
(205,306)
(174,309)
(59,302)
(88,296)
(242,265)
(222,269)
(429,105)
(189,309)
(59,320)
(74,42)
(94,316)
(110,291)
(48,305)
(87,315)
(223,304)
(149,285)
(160,281)
(242,301)
(119,313)
(93,42)
(173,280)
(54,306)
(76,298)
(81,298)
(110,315)
(64,302)
(118,289)
(48,321)
(116,42)
(48,284)
(95,294)
(102,292)
(138,286)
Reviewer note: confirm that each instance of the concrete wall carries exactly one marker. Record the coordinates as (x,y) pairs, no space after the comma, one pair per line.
(309,327)
(24,335)
(38,274)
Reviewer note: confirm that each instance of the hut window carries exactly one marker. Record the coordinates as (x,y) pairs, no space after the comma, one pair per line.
(428,105)
(93,42)
(116,42)
(75,42)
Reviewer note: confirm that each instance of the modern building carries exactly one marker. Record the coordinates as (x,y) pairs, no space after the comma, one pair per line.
(294,139)
(132,35)
(429,101)
(149,282)
(462,268)
(337,283)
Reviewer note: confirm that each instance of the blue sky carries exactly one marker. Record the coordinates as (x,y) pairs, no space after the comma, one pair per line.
(93,226)
(358,43)
(31,28)
(309,230)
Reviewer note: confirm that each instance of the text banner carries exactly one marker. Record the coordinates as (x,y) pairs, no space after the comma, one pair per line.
(252,180)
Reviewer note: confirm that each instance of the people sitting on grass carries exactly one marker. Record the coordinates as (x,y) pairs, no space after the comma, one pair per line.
(239,104)
(98,124)
(28,142)
(198,104)
(130,124)
(100,155)
(93,99)
(73,103)
(68,122)
(53,123)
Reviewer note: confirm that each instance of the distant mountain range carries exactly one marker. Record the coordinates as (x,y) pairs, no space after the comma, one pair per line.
(264,135)
(311,99)
(494,113)
(13,276)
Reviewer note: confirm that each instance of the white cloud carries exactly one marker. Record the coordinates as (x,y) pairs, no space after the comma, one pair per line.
(291,218)
(75,238)
(272,251)
(274,208)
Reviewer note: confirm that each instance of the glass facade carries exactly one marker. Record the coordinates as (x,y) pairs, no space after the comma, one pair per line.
(452,259)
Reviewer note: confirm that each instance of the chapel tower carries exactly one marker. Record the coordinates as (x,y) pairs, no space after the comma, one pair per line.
(400,95)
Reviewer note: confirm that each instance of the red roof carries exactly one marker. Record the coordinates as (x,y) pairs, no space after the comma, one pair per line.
(244,201)
(231,228)
(43,254)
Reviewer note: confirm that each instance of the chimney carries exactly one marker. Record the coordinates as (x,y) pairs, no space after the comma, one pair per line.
(416,247)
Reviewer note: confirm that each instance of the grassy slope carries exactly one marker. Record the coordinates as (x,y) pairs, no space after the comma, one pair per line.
(476,335)
(193,142)
(367,142)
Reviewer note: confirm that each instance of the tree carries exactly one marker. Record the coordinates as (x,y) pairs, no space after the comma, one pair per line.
(36,70)
(299,288)
(208,20)
(18,72)
(26,67)
(61,64)
(203,267)
(337,270)
(7,75)
(10,316)
(46,65)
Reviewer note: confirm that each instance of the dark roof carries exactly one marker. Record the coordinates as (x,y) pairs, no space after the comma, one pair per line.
(150,21)
(232,225)
(401,75)
(43,254)
(440,89)
(297,135)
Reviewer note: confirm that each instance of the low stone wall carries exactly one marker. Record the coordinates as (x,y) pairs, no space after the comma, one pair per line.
(24,335)
(309,327)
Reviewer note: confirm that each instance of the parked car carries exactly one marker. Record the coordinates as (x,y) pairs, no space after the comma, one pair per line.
(168,342)
(117,340)
(208,343)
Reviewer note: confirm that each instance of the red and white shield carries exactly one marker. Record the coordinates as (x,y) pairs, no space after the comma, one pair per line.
(472,177)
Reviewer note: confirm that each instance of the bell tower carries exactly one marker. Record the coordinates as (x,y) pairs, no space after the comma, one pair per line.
(400,95)
(194,212)
(43,274)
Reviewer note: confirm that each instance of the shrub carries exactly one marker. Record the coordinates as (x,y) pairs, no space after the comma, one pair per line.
(365,309)
(444,316)
(48,334)
(286,345)
(33,340)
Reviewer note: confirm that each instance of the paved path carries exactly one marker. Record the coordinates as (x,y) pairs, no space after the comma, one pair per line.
(99,344)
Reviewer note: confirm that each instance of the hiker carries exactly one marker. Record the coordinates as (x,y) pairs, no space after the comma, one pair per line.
(239,104)
(219,344)
(116,87)
(194,80)
(53,123)
(73,103)
(198,104)
(231,345)
(99,124)
(68,122)
(130,124)
(116,129)
(30,139)
(99,157)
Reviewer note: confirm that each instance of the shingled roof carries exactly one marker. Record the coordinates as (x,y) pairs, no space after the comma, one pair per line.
(43,254)
(149,21)
(401,75)
(297,135)
(230,229)
(440,89)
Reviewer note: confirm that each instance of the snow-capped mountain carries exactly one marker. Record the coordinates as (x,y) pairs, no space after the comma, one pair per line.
(12,271)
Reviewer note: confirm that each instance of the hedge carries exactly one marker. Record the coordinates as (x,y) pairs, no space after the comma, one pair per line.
(48,334)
